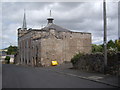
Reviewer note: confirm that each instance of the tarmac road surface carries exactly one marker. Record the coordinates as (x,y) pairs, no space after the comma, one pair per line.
(14,76)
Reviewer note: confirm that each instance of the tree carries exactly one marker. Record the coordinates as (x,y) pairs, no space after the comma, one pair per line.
(117,43)
(12,50)
(97,48)
(111,44)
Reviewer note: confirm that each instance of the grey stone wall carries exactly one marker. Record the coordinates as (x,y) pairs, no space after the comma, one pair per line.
(40,47)
(63,46)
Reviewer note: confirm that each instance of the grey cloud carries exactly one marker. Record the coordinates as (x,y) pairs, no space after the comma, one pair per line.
(83,17)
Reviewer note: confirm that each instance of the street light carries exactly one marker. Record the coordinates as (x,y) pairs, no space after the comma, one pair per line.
(105,36)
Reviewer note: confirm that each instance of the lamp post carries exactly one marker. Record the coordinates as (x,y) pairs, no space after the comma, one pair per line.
(105,36)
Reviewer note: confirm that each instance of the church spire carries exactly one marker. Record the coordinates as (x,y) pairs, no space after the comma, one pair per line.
(50,19)
(24,21)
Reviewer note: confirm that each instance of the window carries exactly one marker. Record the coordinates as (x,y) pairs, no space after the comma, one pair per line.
(23,59)
(26,61)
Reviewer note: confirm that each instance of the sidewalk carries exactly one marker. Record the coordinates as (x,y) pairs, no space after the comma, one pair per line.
(96,77)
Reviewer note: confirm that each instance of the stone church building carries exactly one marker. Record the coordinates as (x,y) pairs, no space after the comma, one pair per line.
(38,47)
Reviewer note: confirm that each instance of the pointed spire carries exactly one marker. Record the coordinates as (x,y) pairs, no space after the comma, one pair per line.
(50,19)
(24,21)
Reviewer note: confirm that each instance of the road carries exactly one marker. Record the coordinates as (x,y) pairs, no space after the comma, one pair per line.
(14,76)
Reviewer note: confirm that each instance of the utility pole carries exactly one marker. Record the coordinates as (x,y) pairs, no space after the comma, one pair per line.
(105,37)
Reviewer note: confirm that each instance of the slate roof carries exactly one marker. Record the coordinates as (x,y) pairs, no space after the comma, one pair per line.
(56,27)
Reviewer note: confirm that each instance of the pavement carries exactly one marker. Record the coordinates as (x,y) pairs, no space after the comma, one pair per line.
(92,76)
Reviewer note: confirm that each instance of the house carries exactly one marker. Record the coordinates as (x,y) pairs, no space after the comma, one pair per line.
(38,47)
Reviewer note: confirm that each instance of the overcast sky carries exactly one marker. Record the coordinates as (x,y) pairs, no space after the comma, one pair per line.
(82,17)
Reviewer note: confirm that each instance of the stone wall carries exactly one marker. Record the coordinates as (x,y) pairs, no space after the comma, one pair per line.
(95,63)
(63,46)
(51,49)
(40,47)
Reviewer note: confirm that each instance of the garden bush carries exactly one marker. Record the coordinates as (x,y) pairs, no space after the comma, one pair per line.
(76,58)
(7,59)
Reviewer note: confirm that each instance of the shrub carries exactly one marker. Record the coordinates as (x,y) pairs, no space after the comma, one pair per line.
(94,62)
(76,58)
(7,58)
